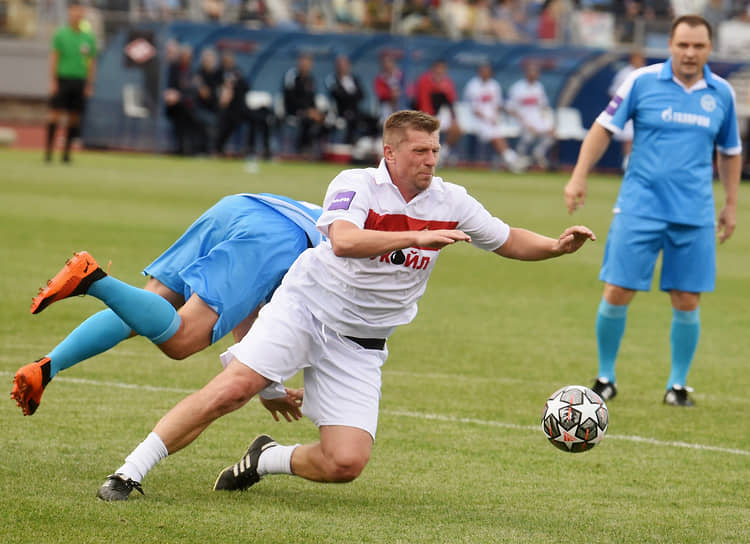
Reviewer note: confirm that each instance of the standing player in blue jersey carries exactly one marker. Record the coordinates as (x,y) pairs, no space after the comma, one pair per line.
(211,281)
(681,111)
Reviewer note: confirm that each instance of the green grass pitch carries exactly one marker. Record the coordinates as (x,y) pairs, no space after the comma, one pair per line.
(460,455)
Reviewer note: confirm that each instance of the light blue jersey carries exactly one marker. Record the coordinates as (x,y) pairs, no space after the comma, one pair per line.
(235,254)
(670,171)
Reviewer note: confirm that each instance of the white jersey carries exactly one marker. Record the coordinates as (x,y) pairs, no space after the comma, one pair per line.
(370,297)
(485,98)
(529,101)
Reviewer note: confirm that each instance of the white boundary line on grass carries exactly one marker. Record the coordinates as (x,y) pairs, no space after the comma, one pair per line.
(421,415)
(630,438)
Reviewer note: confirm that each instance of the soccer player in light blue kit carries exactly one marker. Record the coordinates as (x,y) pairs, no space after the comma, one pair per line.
(681,111)
(211,281)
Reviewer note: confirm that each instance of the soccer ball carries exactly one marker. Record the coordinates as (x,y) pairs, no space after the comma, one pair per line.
(575,419)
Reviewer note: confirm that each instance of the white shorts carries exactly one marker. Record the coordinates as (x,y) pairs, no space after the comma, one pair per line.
(540,121)
(342,379)
(488,131)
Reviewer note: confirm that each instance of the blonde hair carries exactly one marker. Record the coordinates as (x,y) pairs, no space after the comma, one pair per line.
(396,125)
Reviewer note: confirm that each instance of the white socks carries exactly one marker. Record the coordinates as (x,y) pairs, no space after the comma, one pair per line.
(276,460)
(144,458)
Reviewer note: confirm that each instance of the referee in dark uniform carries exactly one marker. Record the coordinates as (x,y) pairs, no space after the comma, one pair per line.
(72,70)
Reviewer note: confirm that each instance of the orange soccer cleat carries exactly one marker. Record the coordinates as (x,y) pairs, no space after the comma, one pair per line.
(29,384)
(75,278)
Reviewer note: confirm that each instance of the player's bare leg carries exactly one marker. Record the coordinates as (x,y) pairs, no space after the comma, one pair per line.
(226,392)
(197,320)
(340,456)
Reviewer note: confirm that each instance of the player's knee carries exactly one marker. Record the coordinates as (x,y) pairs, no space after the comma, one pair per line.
(231,397)
(176,352)
(345,466)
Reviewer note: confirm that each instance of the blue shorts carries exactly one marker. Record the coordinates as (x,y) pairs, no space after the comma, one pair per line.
(233,257)
(634,243)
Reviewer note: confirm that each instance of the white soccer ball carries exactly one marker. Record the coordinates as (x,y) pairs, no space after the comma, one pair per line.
(575,419)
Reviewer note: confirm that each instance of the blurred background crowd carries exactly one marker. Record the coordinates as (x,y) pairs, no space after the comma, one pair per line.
(217,97)
(629,21)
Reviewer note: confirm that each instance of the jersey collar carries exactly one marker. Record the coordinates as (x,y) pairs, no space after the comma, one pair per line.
(382,176)
(707,81)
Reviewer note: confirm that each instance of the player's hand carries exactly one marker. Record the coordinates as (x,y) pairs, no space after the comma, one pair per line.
(575,193)
(288,406)
(727,223)
(440,238)
(573,238)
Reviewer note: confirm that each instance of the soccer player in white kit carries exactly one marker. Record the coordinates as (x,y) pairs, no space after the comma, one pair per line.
(485,96)
(528,100)
(335,309)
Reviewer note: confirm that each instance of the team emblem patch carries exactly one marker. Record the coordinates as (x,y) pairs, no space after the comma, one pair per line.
(708,103)
(342,200)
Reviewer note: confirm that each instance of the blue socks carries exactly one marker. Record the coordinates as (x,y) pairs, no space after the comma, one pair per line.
(145,312)
(100,332)
(686,328)
(131,309)
(610,326)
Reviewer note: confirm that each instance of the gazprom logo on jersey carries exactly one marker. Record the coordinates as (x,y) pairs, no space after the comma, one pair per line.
(669,116)
(342,200)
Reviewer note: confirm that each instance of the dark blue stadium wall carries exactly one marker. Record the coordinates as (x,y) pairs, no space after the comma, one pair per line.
(573,76)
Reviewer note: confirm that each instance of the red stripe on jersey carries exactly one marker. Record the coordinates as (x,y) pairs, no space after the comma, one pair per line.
(400,223)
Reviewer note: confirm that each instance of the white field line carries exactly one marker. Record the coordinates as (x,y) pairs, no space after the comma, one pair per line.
(389,372)
(518,381)
(535,428)
(424,416)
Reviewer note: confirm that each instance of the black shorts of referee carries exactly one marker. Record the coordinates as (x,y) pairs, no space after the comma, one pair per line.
(70,95)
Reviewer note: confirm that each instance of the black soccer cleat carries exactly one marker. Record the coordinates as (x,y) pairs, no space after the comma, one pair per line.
(604,388)
(678,396)
(244,473)
(117,488)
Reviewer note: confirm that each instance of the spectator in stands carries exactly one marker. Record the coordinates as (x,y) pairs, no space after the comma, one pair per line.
(420,17)
(234,111)
(207,81)
(527,100)
(378,15)
(179,99)
(485,97)
(254,14)
(625,136)
(554,20)
(628,16)
(506,21)
(436,95)
(73,69)
(389,85)
(715,12)
(347,93)
(300,104)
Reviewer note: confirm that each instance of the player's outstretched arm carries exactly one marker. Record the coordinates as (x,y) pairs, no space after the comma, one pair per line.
(288,406)
(730,172)
(526,245)
(592,149)
(348,240)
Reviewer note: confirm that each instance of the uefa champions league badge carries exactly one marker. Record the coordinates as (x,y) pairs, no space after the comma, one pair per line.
(342,200)
(708,103)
